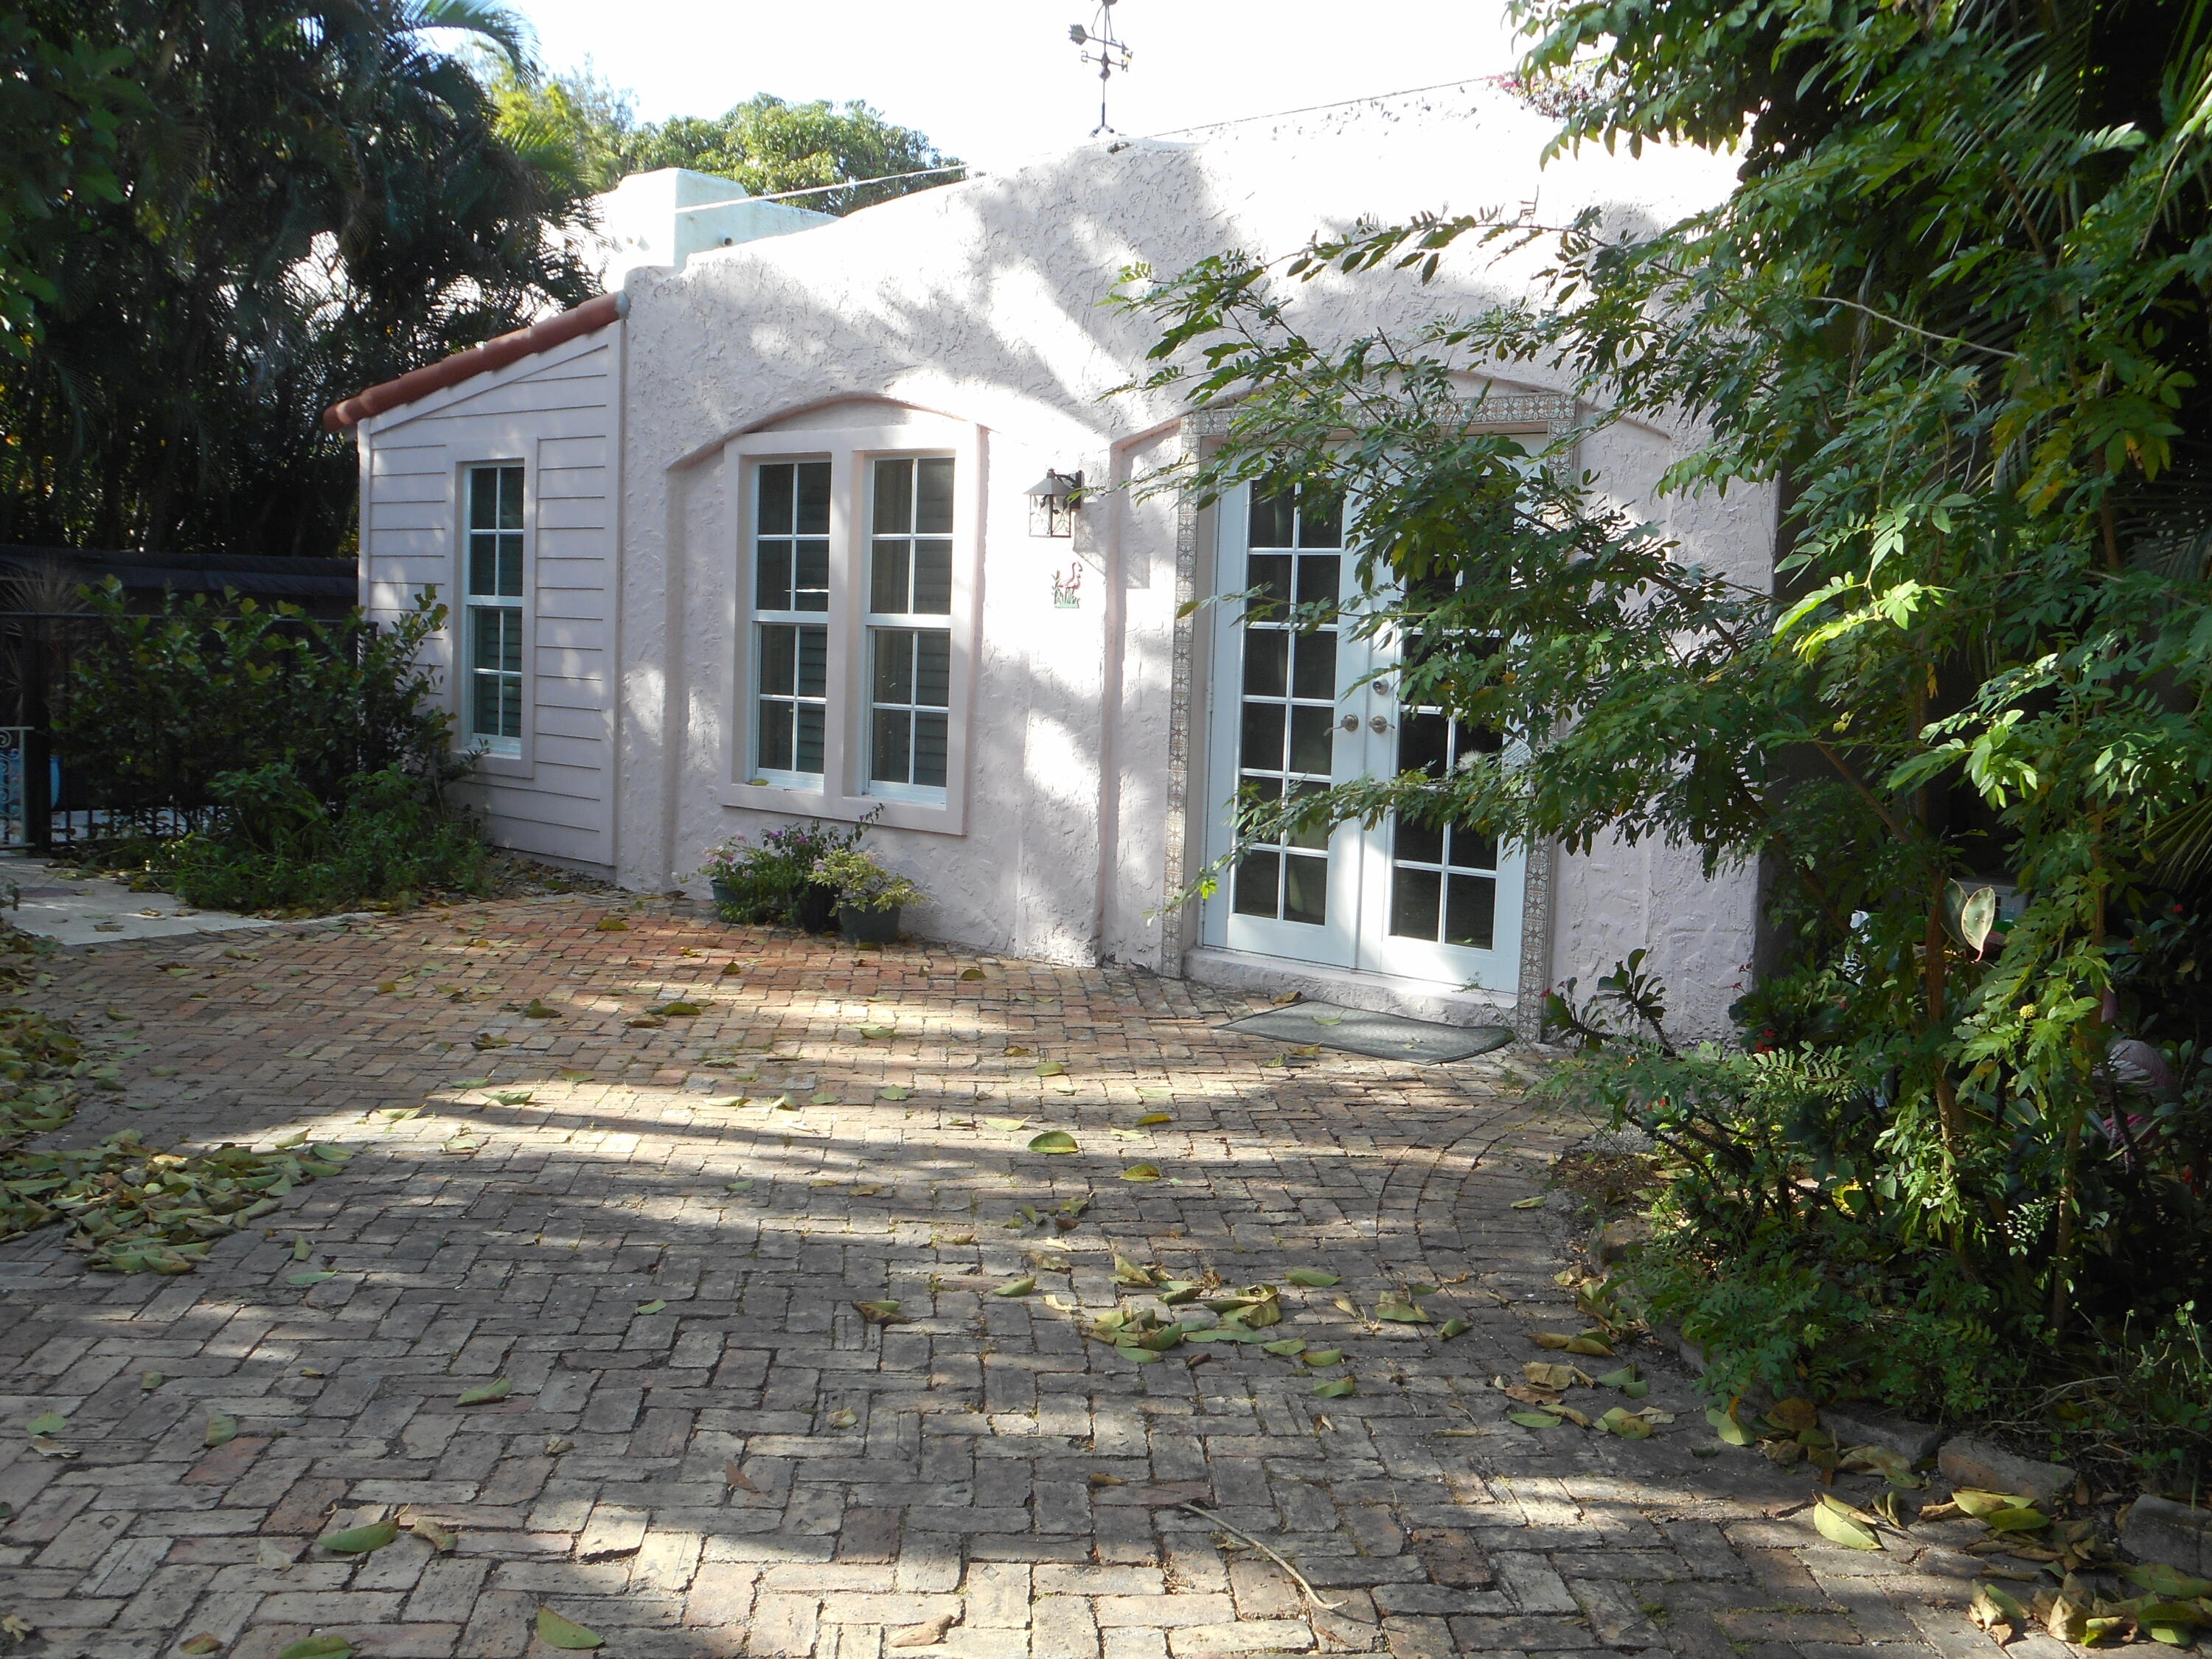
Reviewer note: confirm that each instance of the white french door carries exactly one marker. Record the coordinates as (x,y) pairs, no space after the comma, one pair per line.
(1295,710)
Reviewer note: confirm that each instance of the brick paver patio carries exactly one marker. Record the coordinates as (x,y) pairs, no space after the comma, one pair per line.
(708,1449)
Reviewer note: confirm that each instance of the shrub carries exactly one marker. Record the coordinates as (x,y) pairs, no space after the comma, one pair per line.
(157,707)
(763,882)
(862,884)
(304,761)
(277,847)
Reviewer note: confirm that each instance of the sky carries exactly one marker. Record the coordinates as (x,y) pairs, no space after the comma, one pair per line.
(996,81)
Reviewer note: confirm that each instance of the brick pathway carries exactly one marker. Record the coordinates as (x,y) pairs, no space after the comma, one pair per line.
(708,1450)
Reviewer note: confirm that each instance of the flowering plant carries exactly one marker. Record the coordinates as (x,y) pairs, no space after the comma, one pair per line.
(763,881)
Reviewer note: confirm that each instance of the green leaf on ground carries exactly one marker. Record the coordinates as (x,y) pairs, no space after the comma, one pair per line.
(1399,1311)
(360,1540)
(313,1276)
(1535,1203)
(1288,1347)
(1727,1427)
(319,1647)
(652,1307)
(1452,1327)
(47,1423)
(1019,1288)
(1337,1390)
(1054,1141)
(1323,1357)
(1839,1525)
(1149,1118)
(437,1537)
(892,1091)
(1051,1068)
(1312,1277)
(151,1380)
(484,1393)
(301,1249)
(221,1430)
(1533,1419)
(205,1642)
(1141,1172)
(558,1633)
(879,1313)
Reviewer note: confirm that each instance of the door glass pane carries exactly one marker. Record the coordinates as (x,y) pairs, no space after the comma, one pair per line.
(1443,886)
(1470,915)
(1286,718)
(1259,879)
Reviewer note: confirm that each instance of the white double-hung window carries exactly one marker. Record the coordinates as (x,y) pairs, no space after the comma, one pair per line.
(491,621)
(909,644)
(791,631)
(855,588)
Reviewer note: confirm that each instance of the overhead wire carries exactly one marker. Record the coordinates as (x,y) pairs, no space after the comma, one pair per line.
(1165,132)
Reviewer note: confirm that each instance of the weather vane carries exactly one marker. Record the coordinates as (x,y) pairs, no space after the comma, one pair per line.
(1100,47)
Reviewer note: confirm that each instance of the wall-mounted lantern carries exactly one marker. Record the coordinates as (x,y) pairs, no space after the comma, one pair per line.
(1053,500)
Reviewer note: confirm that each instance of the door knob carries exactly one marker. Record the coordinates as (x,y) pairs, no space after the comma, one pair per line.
(1378,724)
(1351,722)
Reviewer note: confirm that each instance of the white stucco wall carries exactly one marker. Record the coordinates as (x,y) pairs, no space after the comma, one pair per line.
(976,317)
(983,302)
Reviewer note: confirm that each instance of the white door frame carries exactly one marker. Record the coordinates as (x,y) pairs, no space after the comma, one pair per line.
(1192,738)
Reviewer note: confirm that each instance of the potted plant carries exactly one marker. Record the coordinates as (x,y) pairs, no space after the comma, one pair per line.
(773,880)
(733,871)
(813,903)
(869,896)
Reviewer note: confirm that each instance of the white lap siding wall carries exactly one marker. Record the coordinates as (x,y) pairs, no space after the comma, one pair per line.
(558,413)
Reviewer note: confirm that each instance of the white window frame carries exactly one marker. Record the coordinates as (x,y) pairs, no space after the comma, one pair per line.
(472,606)
(762,617)
(843,793)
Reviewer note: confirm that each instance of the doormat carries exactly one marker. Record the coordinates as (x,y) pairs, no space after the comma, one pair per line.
(1379,1036)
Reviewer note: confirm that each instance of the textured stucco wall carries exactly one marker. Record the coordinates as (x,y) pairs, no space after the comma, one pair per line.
(983,302)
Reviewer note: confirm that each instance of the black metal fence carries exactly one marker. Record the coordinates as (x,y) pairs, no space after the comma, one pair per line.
(47,801)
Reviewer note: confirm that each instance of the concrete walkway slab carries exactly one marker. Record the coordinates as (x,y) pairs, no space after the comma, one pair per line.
(59,904)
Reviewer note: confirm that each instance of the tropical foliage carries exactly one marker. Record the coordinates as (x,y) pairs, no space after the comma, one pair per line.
(1952,311)
(767,145)
(62,91)
(306,760)
(298,198)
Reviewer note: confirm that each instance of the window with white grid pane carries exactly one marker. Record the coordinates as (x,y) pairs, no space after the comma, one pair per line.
(790,619)
(857,547)
(909,625)
(492,611)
